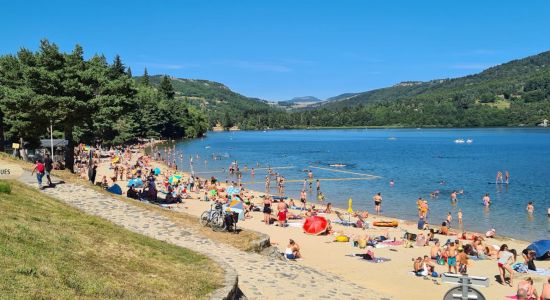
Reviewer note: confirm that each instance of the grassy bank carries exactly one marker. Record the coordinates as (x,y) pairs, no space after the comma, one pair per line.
(246,240)
(50,250)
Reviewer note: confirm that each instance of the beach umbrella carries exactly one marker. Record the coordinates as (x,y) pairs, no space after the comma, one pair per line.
(156,171)
(315,225)
(232,190)
(238,207)
(236,204)
(115,189)
(173,179)
(541,248)
(136,182)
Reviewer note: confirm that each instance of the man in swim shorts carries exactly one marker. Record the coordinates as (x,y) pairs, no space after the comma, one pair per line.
(451,257)
(377,202)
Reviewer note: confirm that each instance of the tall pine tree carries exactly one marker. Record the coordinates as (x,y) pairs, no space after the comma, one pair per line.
(166,87)
(145,78)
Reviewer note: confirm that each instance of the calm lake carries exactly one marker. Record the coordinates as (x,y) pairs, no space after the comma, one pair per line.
(420,161)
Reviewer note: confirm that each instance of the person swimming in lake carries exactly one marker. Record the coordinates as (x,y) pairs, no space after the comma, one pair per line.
(486,200)
(499,178)
(392,183)
(507,177)
(530,208)
(454,196)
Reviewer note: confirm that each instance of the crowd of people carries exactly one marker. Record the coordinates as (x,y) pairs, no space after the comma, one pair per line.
(449,251)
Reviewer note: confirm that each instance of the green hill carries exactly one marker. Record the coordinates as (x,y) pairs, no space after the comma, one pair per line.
(511,94)
(516,93)
(221,103)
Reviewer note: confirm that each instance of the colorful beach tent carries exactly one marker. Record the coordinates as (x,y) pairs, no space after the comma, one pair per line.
(541,248)
(136,182)
(156,171)
(315,225)
(115,189)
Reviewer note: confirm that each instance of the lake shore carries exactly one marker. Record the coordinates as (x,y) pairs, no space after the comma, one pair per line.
(320,252)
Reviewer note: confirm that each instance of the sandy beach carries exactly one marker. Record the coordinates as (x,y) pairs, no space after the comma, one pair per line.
(393,278)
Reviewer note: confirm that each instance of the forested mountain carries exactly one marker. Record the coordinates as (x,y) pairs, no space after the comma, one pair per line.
(299,102)
(220,103)
(506,81)
(516,93)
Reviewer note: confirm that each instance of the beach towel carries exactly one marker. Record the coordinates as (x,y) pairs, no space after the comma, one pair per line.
(540,272)
(379,260)
(393,243)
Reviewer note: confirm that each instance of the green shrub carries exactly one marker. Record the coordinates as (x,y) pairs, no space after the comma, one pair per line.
(5,187)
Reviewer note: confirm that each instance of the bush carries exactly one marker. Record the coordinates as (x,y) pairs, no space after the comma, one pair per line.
(5,187)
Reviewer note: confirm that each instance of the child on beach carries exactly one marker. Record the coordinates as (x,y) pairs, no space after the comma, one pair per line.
(459,216)
(462,261)
(449,219)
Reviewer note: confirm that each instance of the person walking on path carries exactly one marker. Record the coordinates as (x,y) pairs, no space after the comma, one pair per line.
(39,169)
(48,165)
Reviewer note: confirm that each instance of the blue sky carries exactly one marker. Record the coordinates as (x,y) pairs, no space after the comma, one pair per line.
(276,50)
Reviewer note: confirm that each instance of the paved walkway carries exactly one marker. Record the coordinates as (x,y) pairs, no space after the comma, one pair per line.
(260,277)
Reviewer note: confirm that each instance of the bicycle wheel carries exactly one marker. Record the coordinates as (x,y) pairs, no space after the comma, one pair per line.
(217,223)
(204,219)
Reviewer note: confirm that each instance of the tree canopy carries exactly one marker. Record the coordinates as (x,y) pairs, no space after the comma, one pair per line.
(90,101)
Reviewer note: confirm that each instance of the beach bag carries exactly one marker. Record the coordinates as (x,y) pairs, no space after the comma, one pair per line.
(434,274)
(359,224)
(441,261)
(362,244)
(410,236)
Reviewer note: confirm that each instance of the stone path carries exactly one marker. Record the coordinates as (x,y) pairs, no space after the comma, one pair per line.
(260,277)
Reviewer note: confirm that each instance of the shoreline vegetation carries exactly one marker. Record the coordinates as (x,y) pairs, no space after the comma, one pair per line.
(52,250)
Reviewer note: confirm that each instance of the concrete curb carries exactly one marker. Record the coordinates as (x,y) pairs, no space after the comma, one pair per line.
(230,290)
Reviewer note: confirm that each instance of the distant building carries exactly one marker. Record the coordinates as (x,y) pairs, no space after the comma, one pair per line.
(544,123)
(234,128)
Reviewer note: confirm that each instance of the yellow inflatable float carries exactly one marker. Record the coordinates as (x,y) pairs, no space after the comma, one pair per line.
(385,223)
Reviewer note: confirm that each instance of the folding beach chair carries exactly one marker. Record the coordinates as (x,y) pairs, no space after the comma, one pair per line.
(342,221)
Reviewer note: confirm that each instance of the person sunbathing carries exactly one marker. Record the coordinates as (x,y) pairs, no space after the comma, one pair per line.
(545,294)
(417,267)
(292,250)
(526,290)
(328,209)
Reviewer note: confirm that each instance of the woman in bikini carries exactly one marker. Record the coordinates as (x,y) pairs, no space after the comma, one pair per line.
(504,257)
(267,210)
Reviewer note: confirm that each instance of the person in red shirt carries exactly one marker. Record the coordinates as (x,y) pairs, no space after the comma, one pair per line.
(39,169)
